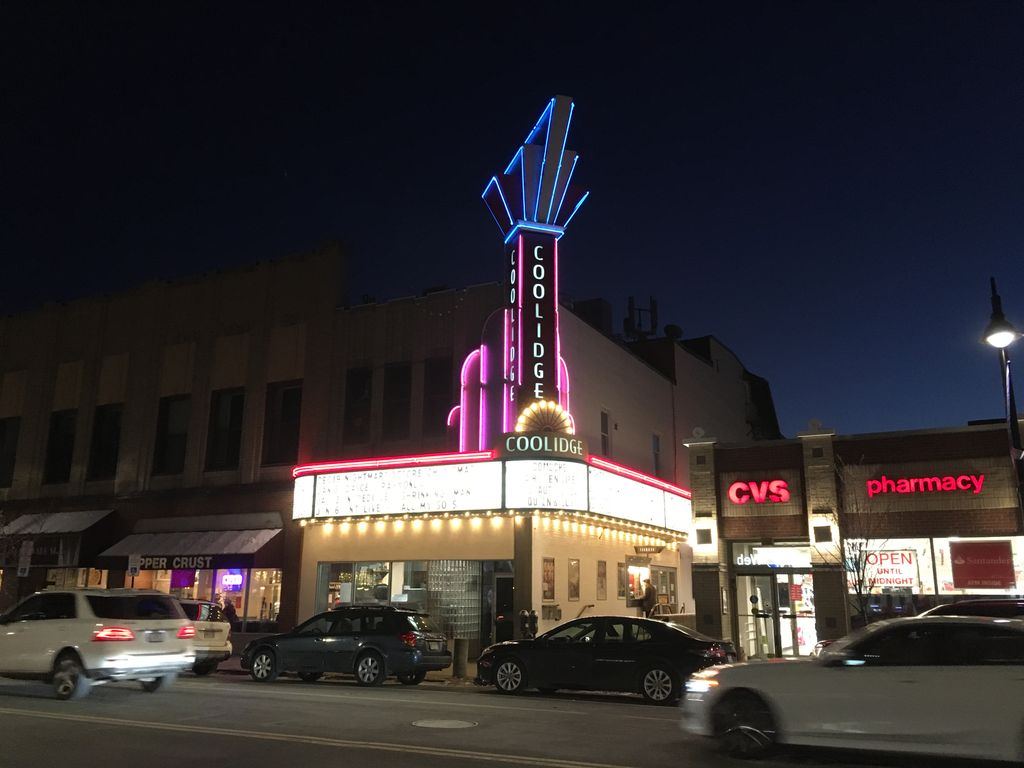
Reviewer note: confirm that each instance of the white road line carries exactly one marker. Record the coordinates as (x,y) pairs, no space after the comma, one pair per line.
(295,738)
(361,697)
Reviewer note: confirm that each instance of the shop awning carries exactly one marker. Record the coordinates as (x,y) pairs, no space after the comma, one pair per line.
(197,542)
(54,522)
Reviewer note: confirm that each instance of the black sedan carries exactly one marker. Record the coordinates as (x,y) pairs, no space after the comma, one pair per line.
(604,653)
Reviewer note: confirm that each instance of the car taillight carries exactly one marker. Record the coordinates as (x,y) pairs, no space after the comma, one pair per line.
(716,654)
(113,633)
(408,638)
(186,632)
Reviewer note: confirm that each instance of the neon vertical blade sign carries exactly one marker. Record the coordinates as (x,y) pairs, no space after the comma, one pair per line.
(538,320)
(531,201)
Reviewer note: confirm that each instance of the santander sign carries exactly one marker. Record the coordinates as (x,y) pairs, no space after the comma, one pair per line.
(758,491)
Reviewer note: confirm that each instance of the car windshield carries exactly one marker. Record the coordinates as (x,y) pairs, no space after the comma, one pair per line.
(135,607)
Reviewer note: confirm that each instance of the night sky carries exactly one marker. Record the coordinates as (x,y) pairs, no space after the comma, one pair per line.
(825,187)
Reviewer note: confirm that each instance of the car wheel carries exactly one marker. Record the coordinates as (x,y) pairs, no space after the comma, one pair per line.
(412,678)
(744,726)
(161,683)
(69,679)
(264,666)
(310,677)
(204,667)
(659,686)
(509,676)
(370,669)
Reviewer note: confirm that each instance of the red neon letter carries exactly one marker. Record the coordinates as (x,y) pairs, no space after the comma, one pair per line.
(738,493)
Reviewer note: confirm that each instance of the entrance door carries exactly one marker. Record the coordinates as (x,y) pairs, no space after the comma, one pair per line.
(755,597)
(776,614)
(797,631)
(504,613)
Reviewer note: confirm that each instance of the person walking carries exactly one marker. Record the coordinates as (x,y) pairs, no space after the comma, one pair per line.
(650,598)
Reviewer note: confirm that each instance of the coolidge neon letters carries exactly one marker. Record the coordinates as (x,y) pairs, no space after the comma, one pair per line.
(925,484)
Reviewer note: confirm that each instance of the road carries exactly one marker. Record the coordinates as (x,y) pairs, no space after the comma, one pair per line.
(227,721)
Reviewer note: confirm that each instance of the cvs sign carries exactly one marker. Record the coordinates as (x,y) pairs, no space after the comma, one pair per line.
(758,491)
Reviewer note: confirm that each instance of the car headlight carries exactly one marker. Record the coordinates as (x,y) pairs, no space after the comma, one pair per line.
(702,682)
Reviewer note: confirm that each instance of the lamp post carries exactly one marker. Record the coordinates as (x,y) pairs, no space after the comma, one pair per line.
(1000,334)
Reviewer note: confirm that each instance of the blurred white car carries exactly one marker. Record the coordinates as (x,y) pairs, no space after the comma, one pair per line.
(74,639)
(213,634)
(931,685)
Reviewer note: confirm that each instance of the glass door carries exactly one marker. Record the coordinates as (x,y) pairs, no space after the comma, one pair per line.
(798,632)
(776,614)
(755,607)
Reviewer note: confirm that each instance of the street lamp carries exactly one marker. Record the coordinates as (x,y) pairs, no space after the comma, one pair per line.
(1000,334)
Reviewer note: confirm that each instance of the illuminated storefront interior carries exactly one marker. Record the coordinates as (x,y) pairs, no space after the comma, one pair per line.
(233,558)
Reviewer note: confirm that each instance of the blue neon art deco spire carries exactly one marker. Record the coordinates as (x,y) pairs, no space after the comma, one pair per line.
(535,191)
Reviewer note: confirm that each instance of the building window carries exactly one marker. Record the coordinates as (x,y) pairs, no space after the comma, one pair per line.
(106,442)
(817,453)
(702,460)
(358,397)
(281,424)
(224,439)
(822,534)
(437,395)
(656,454)
(703,536)
(621,579)
(397,401)
(606,435)
(9,429)
(60,446)
(171,435)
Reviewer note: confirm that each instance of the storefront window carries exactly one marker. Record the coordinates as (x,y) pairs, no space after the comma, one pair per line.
(264,595)
(409,584)
(449,590)
(76,577)
(980,566)
(371,583)
(255,593)
(902,577)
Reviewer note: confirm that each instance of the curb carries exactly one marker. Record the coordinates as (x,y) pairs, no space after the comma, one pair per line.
(227,668)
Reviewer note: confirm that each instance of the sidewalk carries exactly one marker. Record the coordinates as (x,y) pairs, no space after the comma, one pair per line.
(233,666)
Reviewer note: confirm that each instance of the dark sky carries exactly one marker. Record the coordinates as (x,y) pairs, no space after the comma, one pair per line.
(825,187)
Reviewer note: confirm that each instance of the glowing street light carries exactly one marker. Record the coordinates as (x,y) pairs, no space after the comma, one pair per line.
(1000,334)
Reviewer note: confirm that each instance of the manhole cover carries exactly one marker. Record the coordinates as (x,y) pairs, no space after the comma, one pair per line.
(443,723)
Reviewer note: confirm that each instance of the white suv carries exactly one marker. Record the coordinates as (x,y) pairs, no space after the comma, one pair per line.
(76,638)
(213,634)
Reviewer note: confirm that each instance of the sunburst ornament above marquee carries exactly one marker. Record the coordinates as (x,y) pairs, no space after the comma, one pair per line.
(545,416)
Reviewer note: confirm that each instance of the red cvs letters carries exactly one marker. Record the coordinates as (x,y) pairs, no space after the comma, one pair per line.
(759,491)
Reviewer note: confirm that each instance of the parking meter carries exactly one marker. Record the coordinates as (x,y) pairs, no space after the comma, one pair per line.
(533,623)
(524,624)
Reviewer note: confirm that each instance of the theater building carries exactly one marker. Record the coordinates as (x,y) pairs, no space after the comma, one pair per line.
(524,516)
(799,540)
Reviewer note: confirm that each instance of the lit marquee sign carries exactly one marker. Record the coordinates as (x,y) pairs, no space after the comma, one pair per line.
(411,486)
(447,488)
(613,495)
(545,484)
